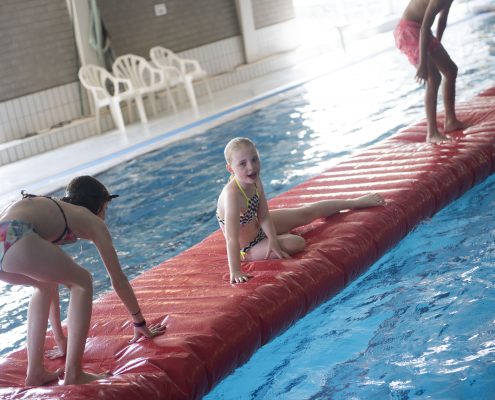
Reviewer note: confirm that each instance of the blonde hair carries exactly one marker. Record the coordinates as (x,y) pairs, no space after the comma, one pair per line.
(235,144)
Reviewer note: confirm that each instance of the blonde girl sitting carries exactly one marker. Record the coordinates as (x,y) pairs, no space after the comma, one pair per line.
(252,232)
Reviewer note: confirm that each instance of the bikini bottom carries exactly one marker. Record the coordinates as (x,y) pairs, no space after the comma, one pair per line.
(11,232)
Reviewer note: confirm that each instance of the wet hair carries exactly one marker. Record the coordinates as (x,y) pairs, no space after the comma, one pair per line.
(88,192)
(235,144)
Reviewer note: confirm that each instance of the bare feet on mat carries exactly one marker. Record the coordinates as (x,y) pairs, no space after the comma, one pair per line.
(85,377)
(437,137)
(369,200)
(455,125)
(43,377)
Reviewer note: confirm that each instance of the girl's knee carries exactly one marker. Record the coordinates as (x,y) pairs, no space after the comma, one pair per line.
(292,244)
(434,78)
(87,279)
(83,280)
(451,72)
(301,243)
(297,244)
(48,287)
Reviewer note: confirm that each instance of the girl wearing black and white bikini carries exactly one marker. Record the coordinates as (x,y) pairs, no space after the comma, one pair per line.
(252,232)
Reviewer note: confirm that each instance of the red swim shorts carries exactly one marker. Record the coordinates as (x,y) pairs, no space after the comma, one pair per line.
(406,36)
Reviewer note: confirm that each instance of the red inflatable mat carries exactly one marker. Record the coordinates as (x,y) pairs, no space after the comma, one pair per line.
(213,327)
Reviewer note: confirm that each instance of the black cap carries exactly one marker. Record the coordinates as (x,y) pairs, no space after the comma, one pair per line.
(88,192)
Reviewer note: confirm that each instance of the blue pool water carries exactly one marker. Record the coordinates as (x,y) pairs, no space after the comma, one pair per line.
(168,200)
(419,324)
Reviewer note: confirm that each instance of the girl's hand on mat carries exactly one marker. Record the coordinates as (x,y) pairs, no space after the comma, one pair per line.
(148,332)
(239,277)
(274,247)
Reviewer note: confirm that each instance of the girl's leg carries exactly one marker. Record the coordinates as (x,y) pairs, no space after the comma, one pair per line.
(449,70)
(291,244)
(45,262)
(286,219)
(37,322)
(39,307)
(431,96)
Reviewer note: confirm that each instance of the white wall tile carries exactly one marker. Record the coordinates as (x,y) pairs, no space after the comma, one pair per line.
(4,158)
(2,133)
(11,155)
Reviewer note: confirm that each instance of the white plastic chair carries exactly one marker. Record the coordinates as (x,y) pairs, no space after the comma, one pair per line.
(144,77)
(189,69)
(107,90)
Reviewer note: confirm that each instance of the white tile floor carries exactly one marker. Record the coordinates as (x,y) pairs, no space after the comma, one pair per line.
(44,173)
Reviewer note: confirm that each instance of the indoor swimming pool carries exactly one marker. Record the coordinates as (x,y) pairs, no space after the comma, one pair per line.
(415,324)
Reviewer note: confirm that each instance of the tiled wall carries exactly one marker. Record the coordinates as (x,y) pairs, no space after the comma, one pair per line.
(37,43)
(52,139)
(33,113)
(277,38)
(134,27)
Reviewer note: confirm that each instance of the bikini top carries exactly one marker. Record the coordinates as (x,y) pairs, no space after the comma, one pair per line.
(252,205)
(67,236)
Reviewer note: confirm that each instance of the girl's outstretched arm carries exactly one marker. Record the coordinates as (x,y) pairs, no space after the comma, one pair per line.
(98,233)
(232,212)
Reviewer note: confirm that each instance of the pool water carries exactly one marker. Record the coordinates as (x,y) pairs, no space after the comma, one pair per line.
(418,324)
(168,197)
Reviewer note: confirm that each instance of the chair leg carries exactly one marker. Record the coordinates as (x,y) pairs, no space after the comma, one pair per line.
(141,110)
(130,111)
(171,100)
(180,94)
(98,125)
(210,95)
(190,93)
(153,103)
(117,115)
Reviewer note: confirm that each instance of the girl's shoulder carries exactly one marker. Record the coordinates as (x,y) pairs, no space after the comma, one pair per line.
(229,191)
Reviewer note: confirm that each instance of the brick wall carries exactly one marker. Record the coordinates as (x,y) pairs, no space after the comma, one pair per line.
(270,12)
(134,28)
(37,44)
(188,24)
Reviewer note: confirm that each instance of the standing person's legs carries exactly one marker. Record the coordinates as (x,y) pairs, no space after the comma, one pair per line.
(449,70)
(45,262)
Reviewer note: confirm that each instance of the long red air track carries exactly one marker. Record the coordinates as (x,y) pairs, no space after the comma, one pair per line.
(213,327)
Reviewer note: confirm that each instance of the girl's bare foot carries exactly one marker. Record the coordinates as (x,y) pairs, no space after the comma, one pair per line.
(369,200)
(437,138)
(455,125)
(84,377)
(42,377)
